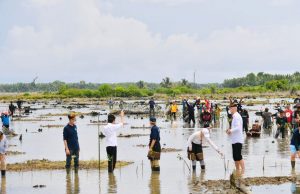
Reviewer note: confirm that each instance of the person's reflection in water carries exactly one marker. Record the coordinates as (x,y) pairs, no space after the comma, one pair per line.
(70,189)
(295,186)
(154,183)
(112,183)
(3,185)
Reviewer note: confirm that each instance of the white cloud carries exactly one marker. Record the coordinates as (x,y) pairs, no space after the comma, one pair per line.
(82,43)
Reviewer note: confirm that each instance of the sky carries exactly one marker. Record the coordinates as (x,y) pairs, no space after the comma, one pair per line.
(131,40)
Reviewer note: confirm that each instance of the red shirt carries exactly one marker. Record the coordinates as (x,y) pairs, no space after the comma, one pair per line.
(289,115)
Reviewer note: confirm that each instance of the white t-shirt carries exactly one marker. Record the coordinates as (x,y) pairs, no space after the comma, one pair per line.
(110,132)
(236,135)
(196,138)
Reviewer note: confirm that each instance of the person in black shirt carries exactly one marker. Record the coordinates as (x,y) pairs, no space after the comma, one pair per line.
(245,117)
(154,146)
(191,111)
(71,142)
(152,108)
(296,116)
(281,122)
(12,109)
(205,117)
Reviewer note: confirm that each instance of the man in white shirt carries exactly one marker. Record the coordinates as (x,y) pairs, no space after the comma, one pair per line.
(194,143)
(236,136)
(110,131)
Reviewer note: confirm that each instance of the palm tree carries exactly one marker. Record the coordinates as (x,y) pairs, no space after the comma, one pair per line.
(140,84)
(184,82)
(166,83)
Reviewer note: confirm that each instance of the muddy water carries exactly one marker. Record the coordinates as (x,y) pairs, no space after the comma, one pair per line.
(174,177)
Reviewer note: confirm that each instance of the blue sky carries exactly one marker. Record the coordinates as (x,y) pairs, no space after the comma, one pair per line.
(131,40)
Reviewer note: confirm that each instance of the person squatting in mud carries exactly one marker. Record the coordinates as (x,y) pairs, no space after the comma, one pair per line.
(110,131)
(154,146)
(236,135)
(194,144)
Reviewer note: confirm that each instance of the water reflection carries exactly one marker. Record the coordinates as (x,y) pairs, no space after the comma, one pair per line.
(295,187)
(112,183)
(3,185)
(70,188)
(154,183)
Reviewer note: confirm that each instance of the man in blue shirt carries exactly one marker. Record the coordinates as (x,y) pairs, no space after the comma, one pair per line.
(71,142)
(154,145)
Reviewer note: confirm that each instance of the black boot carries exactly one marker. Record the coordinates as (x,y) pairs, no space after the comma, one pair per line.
(293,163)
(110,167)
(3,172)
(194,168)
(156,169)
(203,167)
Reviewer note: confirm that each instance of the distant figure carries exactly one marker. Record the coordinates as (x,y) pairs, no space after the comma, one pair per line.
(245,117)
(199,106)
(296,116)
(5,123)
(3,150)
(289,116)
(154,146)
(110,131)
(191,111)
(205,117)
(218,112)
(267,117)
(229,116)
(152,108)
(195,150)
(174,109)
(121,105)
(19,104)
(111,104)
(71,142)
(281,122)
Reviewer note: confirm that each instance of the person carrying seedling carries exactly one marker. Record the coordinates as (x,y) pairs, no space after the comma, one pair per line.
(154,146)
(195,142)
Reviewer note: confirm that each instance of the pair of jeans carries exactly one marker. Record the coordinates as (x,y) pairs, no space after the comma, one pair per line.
(112,157)
(75,154)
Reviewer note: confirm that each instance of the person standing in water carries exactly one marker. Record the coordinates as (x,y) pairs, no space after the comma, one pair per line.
(3,150)
(245,117)
(174,109)
(71,142)
(295,146)
(267,118)
(152,108)
(195,142)
(281,122)
(191,111)
(236,136)
(110,131)
(154,146)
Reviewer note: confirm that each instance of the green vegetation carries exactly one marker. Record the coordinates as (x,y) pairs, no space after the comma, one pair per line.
(260,83)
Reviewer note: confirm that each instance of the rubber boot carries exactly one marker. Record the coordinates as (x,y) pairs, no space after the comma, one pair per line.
(110,167)
(194,167)
(156,169)
(202,167)
(293,163)
(3,172)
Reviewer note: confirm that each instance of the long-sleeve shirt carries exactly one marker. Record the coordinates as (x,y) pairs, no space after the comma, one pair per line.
(191,108)
(110,131)
(3,145)
(236,135)
(70,135)
(198,136)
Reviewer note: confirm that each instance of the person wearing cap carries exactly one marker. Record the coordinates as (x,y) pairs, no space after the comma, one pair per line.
(267,118)
(3,150)
(281,122)
(110,132)
(174,109)
(236,136)
(194,144)
(71,142)
(154,145)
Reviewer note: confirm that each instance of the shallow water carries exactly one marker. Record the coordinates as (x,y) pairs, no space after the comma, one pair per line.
(137,178)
